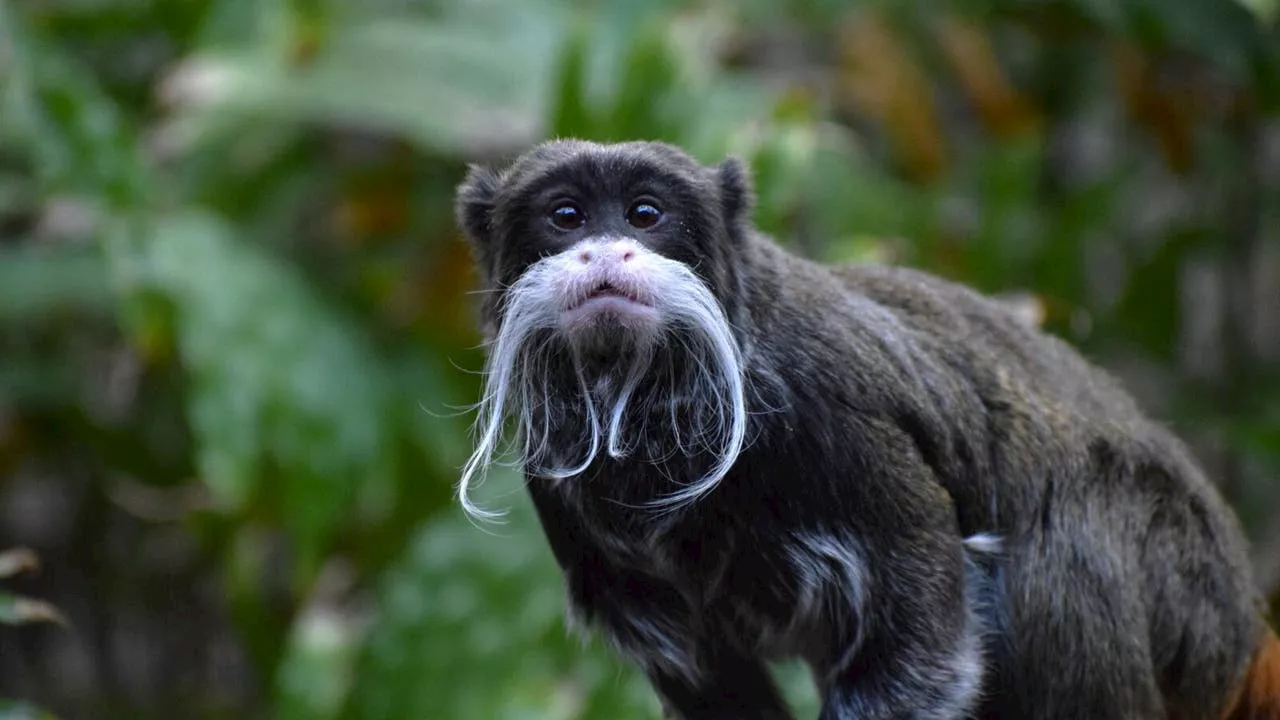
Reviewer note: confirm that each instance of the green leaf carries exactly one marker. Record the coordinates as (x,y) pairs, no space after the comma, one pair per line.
(1107,14)
(647,104)
(78,140)
(317,671)
(232,23)
(444,87)
(1265,10)
(1147,314)
(1223,34)
(468,608)
(11,710)
(286,398)
(38,281)
(572,112)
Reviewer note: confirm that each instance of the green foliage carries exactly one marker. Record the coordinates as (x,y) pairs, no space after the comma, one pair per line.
(267,415)
(251,201)
(461,599)
(22,711)
(37,283)
(1266,10)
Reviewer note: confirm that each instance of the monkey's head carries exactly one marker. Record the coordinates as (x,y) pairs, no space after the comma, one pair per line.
(608,271)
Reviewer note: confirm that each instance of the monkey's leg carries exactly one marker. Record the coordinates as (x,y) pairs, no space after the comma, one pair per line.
(915,651)
(1080,642)
(729,688)
(918,653)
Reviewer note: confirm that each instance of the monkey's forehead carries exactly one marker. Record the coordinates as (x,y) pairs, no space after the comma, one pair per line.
(565,156)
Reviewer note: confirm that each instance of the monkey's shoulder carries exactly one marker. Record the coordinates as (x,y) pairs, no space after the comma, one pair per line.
(879,338)
(947,309)
(984,337)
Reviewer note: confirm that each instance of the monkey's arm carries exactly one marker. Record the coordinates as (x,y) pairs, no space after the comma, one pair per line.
(695,675)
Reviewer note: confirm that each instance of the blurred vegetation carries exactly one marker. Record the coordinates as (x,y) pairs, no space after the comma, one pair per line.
(236,328)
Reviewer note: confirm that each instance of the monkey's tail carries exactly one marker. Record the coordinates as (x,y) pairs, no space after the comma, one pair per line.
(1259,695)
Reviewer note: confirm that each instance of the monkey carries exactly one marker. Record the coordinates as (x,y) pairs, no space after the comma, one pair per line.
(739,455)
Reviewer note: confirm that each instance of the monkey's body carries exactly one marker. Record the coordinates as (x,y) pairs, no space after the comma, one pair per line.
(945,512)
(1123,581)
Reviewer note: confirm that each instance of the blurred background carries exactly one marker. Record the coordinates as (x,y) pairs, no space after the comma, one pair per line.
(236,328)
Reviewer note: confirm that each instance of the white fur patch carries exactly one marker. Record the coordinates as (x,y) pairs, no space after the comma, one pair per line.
(660,645)
(970,668)
(985,543)
(832,575)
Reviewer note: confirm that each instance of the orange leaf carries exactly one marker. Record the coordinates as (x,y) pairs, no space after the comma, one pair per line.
(879,78)
(1004,111)
(1162,104)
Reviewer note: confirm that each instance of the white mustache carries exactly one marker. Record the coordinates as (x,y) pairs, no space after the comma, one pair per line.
(530,339)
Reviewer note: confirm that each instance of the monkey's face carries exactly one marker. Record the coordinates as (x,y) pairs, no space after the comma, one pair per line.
(607,269)
(610,238)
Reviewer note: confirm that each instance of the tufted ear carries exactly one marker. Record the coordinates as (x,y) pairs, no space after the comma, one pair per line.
(737,197)
(473,211)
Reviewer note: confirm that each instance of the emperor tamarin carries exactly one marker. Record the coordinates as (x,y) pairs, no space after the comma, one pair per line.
(739,455)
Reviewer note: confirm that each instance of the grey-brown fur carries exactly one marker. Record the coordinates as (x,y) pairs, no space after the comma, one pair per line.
(894,415)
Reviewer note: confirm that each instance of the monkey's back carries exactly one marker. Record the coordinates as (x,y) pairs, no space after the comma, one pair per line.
(1111,533)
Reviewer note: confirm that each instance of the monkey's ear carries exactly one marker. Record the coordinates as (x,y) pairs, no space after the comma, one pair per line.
(737,196)
(473,211)
(473,206)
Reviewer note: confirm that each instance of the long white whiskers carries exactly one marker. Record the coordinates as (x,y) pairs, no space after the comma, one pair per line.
(519,364)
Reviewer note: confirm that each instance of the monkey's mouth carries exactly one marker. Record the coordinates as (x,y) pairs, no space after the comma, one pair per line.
(606,291)
(610,306)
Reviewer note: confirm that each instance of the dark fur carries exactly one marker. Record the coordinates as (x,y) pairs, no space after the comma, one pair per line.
(894,415)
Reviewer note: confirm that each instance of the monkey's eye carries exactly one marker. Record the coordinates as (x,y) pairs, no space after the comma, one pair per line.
(643,215)
(567,216)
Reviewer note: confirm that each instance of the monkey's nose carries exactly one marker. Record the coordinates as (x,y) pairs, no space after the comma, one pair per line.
(615,251)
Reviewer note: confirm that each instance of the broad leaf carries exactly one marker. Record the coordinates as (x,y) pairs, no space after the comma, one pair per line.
(11,710)
(445,87)
(285,398)
(469,607)
(41,281)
